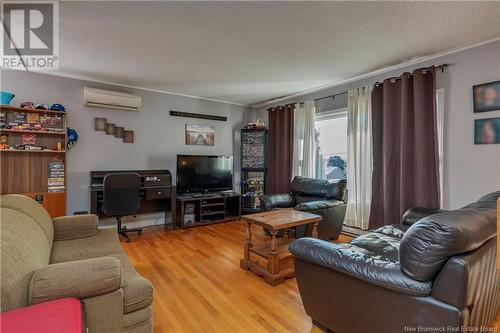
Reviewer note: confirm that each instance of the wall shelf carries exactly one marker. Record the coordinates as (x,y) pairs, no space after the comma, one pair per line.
(26,110)
(50,151)
(5,130)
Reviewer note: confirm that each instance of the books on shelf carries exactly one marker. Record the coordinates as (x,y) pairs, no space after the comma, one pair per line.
(56,181)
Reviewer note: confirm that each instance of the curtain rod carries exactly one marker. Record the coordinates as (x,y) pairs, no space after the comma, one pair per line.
(441,67)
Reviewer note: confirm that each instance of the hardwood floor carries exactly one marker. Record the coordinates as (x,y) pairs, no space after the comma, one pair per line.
(200,287)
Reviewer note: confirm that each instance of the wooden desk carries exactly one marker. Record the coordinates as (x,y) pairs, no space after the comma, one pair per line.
(158,197)
(272,260)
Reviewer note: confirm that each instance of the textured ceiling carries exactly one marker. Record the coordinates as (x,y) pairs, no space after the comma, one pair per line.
(249,52)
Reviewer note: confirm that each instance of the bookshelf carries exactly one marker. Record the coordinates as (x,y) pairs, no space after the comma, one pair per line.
(40,173)
(253,167)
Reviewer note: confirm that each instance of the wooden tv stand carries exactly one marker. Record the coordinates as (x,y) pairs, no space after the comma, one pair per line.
(207,209)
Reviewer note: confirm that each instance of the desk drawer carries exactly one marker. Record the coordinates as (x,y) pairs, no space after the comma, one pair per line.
(157,193)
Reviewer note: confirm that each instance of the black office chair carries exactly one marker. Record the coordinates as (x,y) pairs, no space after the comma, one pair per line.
(121,197)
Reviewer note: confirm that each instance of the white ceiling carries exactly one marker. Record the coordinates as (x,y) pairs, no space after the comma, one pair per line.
(249,52)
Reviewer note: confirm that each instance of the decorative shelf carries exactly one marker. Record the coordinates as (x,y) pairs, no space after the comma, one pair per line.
(207,213)
(5,130)
(213,204)
(52,151)
(26,110)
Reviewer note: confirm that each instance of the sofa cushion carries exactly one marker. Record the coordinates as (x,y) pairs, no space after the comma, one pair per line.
(331,189)
(80,278)
(385,247)
(270,201)
(393,230)
(33,209)
(429,243)
(137,291)
(23,249)
(359,263)
(318,205)
(75,226)
(104,243)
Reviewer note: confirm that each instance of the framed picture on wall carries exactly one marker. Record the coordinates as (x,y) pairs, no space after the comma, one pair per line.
(128,136)
(200,135)
(486,97)
(487,131)
(100,124)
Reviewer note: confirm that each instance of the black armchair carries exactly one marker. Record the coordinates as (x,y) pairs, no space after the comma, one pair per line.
(317,196)
(434,270)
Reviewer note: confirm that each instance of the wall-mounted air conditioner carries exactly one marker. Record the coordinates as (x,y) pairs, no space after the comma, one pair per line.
(111,99)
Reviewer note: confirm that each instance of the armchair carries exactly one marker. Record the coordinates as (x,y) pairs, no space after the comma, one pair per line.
(322,197)
(436,269)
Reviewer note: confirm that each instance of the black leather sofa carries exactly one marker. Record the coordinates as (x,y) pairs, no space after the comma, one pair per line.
(317,196)
(435,270)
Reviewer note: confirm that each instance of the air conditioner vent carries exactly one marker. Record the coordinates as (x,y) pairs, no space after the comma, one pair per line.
(111,99)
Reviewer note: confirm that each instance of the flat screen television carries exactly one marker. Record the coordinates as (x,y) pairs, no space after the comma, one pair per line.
(201,173)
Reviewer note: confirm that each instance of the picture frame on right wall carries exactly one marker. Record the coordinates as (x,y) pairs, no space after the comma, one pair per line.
(486,97)
(487,131)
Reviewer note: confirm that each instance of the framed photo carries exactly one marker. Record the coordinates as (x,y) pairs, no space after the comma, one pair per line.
(110,129)
(128,136)
(487,131)
(100,124)
(486,97)
(119,132)
(200,135)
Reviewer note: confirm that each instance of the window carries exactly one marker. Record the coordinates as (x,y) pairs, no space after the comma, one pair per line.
(331,144)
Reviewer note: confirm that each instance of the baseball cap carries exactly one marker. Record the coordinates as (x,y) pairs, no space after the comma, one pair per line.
(57,107)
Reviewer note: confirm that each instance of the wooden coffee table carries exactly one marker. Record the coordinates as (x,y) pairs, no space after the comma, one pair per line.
(272,260)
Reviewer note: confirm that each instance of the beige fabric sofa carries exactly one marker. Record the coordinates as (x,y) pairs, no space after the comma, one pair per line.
(44,259)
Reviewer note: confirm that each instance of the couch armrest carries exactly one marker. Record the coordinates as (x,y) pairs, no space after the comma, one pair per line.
(270,201)
(415,214)
(358,263)
(318,205)
(80,279)
(75,226)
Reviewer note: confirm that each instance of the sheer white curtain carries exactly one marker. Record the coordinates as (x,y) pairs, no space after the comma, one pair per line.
(359,157)
(303,140)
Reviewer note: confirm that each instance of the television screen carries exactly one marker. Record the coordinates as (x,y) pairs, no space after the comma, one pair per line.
(199,173)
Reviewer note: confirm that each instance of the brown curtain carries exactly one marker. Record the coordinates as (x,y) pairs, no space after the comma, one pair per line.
(405,147)
(280,148)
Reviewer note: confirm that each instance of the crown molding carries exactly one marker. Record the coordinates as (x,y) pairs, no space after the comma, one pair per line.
(83,78)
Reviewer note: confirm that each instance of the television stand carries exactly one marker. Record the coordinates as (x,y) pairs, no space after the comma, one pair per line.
(203,209)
